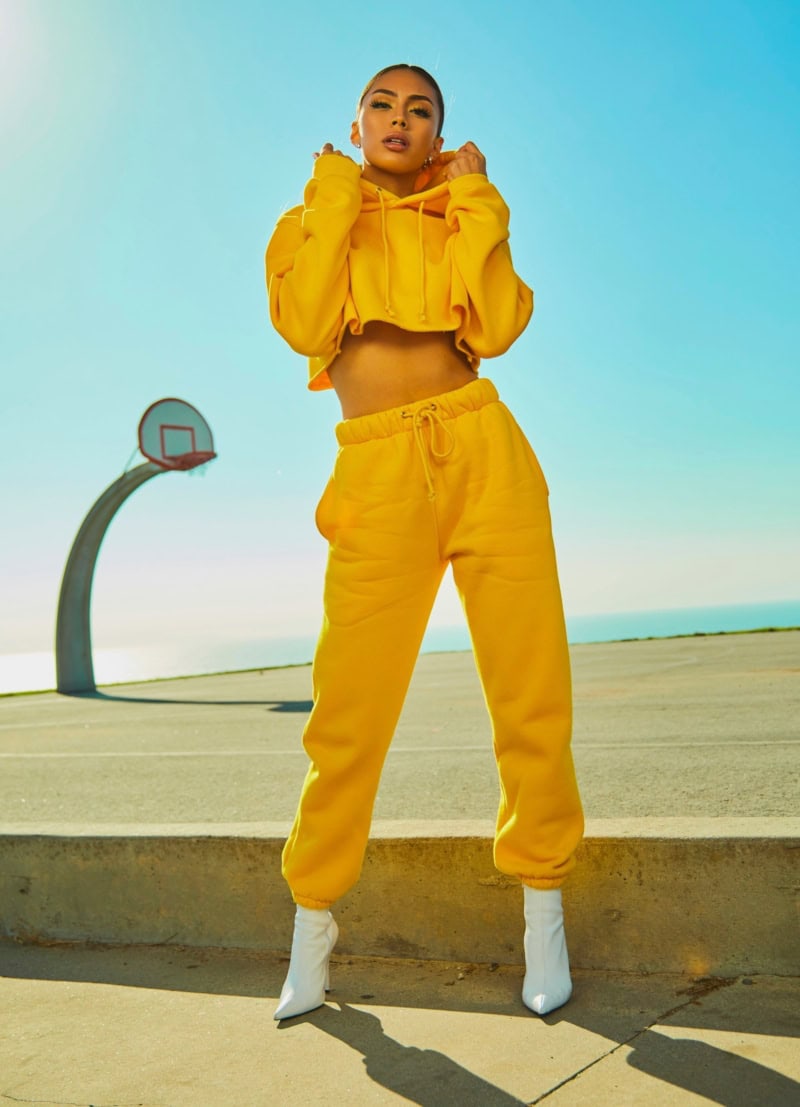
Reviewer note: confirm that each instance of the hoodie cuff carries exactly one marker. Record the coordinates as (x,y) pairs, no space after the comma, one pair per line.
(469,183)
(474,192)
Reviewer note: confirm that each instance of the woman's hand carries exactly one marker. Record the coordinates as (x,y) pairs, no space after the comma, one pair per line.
(328,149)
(449,164)
(468,159)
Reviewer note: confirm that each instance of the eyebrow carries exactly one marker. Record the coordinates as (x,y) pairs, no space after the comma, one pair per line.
(388,92)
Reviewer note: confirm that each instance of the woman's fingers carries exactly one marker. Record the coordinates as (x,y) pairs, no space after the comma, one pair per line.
(328,149)
(468,159)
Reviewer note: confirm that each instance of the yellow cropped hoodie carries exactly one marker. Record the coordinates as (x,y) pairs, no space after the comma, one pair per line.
(352,253)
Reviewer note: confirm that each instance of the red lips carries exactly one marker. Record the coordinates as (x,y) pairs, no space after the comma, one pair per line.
(396,141)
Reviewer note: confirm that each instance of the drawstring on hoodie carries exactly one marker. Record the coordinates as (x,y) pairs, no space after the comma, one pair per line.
(421,253)
(387,297)
(429,415)
(387,303)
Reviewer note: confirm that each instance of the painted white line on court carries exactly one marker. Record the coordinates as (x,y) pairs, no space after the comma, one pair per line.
(486,747)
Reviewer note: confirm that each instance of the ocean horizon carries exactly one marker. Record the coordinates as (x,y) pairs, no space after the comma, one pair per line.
(35,671)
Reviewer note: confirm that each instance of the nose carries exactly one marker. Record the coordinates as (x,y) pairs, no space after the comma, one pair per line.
(398,121)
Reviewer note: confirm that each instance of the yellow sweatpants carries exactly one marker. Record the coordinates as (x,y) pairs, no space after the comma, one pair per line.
(448,480)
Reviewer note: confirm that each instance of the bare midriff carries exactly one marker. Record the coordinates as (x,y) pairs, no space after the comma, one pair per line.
(388,367)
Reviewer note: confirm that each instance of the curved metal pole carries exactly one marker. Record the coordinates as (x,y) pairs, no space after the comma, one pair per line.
(74,668)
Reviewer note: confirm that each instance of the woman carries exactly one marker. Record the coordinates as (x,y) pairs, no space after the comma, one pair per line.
(395,278)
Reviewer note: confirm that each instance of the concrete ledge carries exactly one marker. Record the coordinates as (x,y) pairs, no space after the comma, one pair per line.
(709,897)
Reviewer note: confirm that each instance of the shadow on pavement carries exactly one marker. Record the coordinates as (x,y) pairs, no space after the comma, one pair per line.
(288,706)
(651,1018)
(717,1075)
(422,1076)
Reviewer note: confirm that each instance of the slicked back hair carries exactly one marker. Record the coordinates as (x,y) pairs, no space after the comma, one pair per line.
(420,73)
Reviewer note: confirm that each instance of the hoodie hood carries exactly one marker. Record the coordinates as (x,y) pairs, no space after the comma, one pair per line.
(374,197)
(434,198)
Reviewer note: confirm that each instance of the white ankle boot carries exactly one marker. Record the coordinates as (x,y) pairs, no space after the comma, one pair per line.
(315,934)
(547,983)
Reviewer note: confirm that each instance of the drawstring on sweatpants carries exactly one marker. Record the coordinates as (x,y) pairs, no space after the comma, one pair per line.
(430,415)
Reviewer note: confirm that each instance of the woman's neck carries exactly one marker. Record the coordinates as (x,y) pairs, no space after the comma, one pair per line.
(399,184)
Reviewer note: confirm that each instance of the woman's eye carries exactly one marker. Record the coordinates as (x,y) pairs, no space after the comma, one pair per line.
(424,112)
(379,104)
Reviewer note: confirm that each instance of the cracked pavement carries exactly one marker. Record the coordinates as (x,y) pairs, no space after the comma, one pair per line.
(178,1027)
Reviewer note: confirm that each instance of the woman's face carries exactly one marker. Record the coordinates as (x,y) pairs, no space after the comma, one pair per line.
(397,123)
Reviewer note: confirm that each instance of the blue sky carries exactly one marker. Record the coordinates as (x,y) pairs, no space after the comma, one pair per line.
(650,155)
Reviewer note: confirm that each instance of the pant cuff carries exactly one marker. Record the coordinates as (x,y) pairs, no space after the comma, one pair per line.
(543,883)
(313,904)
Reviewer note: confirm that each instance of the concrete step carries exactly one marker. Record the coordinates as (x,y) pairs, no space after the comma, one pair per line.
(706,897)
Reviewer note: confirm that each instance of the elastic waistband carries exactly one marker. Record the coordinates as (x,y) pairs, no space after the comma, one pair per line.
(400,420)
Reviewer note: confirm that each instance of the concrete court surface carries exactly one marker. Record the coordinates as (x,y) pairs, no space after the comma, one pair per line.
(706,727)
(690,727)
(193,1028)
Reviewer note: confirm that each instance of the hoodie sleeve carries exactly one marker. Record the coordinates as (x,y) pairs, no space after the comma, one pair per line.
(495,303)
(306,260)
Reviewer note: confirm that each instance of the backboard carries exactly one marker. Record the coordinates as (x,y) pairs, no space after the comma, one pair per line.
(175,435)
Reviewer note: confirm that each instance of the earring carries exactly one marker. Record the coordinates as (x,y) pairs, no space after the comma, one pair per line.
(428,162)
(357,145)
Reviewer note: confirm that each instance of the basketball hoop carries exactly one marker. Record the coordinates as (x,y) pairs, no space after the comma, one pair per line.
(175,435)
(189,461)
(172,436)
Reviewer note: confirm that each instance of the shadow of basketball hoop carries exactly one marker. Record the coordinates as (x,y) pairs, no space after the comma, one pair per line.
(281,707)
(173,436)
